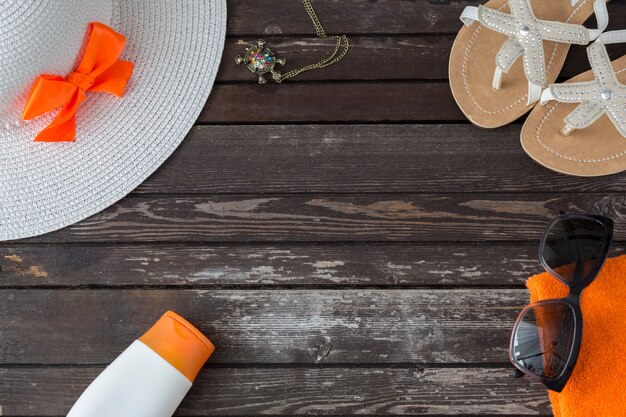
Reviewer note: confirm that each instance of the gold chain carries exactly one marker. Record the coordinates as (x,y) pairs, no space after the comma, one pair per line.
(321,33)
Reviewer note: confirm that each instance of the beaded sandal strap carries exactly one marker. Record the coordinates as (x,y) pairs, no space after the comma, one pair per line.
(604,95)
(526,36)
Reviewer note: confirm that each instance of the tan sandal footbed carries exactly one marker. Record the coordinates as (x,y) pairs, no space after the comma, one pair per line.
(473,58)
(594,151)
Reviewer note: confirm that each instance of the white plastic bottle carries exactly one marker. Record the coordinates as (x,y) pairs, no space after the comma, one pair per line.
(152,376)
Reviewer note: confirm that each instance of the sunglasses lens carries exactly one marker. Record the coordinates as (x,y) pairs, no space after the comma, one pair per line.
(574,248)
(543,339)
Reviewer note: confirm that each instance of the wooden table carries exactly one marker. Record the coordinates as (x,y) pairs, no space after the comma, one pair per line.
(348,240)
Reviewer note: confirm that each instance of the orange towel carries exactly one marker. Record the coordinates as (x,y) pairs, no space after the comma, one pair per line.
(597,387)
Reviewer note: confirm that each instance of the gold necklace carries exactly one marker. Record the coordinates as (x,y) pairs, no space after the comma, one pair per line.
(260,60)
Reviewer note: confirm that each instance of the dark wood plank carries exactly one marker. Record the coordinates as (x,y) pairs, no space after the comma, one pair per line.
(401,57)
(349,17)
(245,266)
(370,58)
(332,218)
(268,266)
(330,102)
(270,17)
(266,326)
(301,391)
(358,159)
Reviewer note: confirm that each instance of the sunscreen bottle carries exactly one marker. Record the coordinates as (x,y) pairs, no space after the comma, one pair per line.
(152,376)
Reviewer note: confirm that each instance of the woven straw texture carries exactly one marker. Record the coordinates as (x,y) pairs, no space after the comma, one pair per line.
(176,46)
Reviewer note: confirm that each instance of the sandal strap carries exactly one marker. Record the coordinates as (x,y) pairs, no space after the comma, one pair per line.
(602,17)
(614,36)
(604,95)
(527,34)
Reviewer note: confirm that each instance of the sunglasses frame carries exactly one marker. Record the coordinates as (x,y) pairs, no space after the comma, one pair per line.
(576,287)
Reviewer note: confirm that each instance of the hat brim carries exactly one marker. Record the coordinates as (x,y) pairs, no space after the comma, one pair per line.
(176,48)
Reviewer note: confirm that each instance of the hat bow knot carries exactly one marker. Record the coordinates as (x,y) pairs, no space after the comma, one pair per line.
(100,70)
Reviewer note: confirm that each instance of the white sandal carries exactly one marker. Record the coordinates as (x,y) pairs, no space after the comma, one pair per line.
(582,131)
(539,31)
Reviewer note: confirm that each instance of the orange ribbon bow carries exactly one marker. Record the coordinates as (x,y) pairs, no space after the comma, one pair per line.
(100,70)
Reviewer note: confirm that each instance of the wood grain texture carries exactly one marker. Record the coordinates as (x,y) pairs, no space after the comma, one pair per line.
(341,269)
(301,391)
(332,218)
(359,159)
(370,58)
(331,102)
(267,326)
(285,266)
(268,17)
(399,57)
(299,266)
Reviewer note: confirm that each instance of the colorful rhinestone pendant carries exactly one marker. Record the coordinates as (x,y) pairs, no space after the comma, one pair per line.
(260,61)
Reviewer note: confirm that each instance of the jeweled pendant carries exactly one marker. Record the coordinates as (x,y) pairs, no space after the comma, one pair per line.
(260,61)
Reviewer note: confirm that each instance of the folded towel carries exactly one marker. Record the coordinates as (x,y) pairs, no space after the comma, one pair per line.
(597,387)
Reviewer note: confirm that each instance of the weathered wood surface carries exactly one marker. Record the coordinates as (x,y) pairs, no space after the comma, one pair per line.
(368,268)
(362,16)
(267,326)
(336,218)
(359,159)
(35,391)
(399,57)
(285,266)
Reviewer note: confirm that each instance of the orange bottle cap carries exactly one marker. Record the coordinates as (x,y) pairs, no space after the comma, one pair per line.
(180,343)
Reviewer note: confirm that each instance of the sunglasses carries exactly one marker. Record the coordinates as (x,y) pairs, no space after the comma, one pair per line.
(547,335)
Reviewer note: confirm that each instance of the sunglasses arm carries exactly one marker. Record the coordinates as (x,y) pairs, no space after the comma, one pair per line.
(517,373)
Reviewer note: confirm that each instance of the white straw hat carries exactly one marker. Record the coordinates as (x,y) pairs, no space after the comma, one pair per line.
(176,47)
